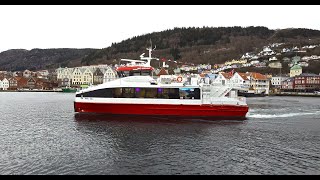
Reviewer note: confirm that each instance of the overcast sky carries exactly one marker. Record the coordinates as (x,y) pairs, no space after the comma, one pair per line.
(89,26)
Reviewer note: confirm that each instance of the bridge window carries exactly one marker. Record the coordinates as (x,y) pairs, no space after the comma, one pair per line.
(137,92)
(189,93)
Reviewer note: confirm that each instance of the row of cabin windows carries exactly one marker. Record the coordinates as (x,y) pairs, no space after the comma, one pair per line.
(130,92)
(134,73)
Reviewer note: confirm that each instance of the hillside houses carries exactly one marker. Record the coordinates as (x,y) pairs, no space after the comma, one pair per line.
(275,55)
(271,54)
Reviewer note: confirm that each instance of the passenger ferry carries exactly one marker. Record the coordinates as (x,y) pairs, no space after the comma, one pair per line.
(137,92)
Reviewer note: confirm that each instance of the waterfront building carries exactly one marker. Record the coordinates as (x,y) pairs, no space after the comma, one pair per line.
(109,75)
(77,76)
(240,81)
(13,83)
(307,82)
(223,78)
(31,83)
(276,81)
(258,82)
(98,76)
(295,70)
(288,84)
(87,76)
(64,76)
(4,84)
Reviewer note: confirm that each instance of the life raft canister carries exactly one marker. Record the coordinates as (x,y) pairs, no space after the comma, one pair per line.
(179,79)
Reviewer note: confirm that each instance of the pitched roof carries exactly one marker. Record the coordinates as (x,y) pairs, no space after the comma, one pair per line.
(243,76)
(257,76)
(226,75)
(22,81)
(162,72)
(295,67)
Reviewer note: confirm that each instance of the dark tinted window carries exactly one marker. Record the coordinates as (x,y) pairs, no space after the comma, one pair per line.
(106,93)
(189,93)
(130,92)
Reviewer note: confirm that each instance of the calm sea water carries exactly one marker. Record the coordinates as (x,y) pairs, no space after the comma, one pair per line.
(40,134)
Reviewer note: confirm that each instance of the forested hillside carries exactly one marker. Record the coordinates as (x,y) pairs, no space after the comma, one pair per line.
(197,45)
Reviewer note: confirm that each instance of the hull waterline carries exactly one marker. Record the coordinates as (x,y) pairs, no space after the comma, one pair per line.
(208,112)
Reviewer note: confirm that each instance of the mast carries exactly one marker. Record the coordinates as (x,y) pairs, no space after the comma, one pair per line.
(150,54)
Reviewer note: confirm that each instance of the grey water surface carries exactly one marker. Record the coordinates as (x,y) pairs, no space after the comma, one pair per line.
(41,134)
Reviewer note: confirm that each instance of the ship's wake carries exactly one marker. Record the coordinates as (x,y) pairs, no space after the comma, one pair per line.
(254,115)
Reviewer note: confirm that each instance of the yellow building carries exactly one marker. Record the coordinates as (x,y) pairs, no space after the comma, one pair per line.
(295,70)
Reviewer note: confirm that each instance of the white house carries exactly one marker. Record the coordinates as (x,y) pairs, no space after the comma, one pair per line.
(315,57)
(87,75)
(267,51)
(273,58)
(306,58)
(43,73)
(27,73)
(303,64)
(284,50)
(223,78)
(255,57)
(275,64)
(65,75)
(4,84)
(109,75)
(254,62)
(77,76)
(276,81)
(240,80)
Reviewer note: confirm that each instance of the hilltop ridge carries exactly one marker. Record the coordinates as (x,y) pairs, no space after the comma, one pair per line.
(209,45)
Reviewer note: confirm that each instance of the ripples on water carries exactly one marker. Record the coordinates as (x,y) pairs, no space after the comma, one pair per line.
(40,134)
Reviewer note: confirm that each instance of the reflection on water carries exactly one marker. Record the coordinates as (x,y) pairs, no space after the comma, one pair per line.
(150,119)
(40,134)
(153,145)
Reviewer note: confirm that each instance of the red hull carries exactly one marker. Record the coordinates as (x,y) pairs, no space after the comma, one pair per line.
(205,111)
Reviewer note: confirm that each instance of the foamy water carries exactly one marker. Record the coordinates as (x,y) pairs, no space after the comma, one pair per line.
(253,115)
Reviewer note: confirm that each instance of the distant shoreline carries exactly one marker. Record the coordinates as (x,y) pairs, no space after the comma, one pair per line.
(299,94)
(31,91)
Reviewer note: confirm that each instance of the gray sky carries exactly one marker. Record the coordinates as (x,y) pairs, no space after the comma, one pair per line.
(89,26)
